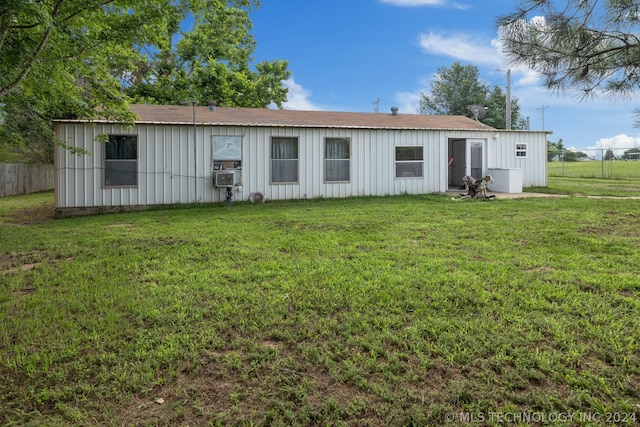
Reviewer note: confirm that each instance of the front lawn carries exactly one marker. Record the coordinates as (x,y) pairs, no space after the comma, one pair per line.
(411,310)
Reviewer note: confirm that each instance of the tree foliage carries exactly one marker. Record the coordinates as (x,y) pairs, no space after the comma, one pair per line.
(455,88)
(588,45)
(61,58)
(84,58)
(609,155)
(554,150)
(72,50)
(626,154)
(573,156)
(209,61)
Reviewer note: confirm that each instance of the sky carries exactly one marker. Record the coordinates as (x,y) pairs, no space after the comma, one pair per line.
(345,55)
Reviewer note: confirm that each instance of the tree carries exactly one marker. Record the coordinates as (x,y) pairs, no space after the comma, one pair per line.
(454,89)
(627,156)
(554,150)
(70,49)
(496,104)
(62,58)
(588,45)
(609,155)
(210,61)
(572,156)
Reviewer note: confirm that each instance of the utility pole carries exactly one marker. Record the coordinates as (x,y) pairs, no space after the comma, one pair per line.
(508,113)
(544,107)
(509,99)
(377,104)
(195,153)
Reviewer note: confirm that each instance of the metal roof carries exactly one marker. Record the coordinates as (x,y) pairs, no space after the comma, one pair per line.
(262,117)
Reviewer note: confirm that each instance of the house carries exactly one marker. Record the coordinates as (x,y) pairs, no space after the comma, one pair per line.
(185,154)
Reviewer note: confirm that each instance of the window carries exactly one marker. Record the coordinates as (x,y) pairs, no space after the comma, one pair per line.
(409,162)
(521,150)
(121,161)
(226,152)
(337,155)
(284,159)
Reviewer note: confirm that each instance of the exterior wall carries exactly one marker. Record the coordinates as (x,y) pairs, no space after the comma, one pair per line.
(502,155)
(167,163)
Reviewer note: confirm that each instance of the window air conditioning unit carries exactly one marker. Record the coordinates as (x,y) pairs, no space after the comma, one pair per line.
(224,179)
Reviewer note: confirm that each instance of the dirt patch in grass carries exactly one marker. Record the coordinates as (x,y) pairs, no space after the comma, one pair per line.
(23,292)
(19,263)
(36,214)
(216,393)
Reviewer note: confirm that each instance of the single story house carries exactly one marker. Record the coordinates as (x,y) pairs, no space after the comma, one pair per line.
(191,154)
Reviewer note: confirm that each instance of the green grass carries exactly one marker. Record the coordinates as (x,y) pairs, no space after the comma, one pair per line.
(616,169)
(364,311)
(590,187)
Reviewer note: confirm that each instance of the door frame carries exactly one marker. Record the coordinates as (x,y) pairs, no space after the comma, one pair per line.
(465,159)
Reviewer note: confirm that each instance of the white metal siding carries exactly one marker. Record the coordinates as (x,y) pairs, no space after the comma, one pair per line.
(502,154)
(167,167)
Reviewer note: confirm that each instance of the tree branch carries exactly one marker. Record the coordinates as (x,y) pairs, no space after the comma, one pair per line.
(45,38)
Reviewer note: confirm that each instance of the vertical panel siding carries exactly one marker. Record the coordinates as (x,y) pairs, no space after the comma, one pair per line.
(534,167)
(169,173)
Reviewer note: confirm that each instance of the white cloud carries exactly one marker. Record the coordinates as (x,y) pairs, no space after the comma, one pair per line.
(462,47)
(618,144)
(420,3)
(408,102)
(298,97)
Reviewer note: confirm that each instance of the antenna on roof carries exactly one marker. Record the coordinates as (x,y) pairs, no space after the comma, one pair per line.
(377,104)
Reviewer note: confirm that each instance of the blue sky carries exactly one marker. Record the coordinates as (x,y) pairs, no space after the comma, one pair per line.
(345,54)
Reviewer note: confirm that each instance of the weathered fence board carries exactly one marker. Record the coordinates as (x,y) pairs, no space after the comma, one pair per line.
(19,178)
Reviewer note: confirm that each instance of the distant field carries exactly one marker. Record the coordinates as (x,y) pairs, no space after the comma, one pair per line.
(618,169)
(575,186)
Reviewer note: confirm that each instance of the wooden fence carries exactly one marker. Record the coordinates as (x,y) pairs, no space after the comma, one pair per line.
(19,178)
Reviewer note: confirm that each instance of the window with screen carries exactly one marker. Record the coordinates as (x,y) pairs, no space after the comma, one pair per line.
(121,161)
(409,162)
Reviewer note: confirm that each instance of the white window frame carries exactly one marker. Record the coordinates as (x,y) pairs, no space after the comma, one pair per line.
(226,152)
(521,150)
(328,161)
(280,162)
(404,164)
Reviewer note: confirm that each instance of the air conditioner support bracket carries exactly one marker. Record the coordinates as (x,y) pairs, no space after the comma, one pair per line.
(229,195)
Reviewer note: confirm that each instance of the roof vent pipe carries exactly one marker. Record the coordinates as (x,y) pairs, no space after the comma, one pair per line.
(211,105)
(394,111)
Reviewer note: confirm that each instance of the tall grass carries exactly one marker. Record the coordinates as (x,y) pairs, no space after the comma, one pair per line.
(365,311)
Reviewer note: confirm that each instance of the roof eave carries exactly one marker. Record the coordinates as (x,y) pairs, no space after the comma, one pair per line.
(274,125)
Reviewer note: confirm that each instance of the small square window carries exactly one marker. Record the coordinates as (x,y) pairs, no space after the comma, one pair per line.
(521,150)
